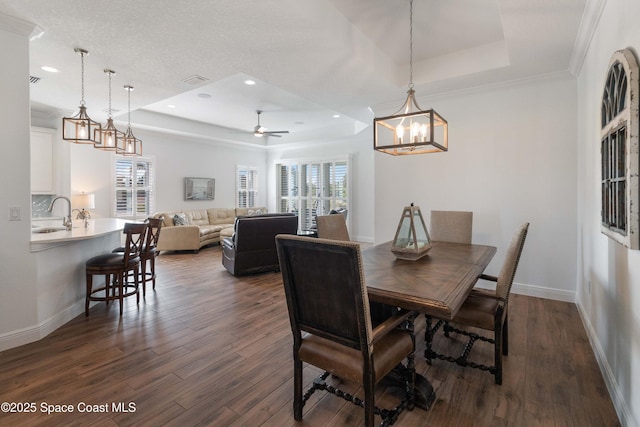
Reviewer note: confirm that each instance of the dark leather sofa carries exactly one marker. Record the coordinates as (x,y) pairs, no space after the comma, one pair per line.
(252,248)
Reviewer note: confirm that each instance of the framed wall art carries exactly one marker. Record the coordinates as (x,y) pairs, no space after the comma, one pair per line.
(199,188)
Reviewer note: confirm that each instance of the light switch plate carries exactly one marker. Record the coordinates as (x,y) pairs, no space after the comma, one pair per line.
(14,213)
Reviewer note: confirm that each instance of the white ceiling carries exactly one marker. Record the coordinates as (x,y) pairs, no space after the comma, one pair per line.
(310,59)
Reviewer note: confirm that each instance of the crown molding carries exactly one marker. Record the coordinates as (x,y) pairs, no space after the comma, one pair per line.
(16,25)
(588,25)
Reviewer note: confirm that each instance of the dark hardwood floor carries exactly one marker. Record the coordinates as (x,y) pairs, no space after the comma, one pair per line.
(209,349)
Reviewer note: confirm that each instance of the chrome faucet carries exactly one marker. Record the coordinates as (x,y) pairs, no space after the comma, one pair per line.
(66,221)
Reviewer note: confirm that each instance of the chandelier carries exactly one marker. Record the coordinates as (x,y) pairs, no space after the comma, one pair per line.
(80,129)
(410,130)
(108,135)
(129,145)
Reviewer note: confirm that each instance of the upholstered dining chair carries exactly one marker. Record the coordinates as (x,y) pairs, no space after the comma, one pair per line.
(119,265)
(333,226)
(484,309)
(451,226)
(328,309)
(149,253)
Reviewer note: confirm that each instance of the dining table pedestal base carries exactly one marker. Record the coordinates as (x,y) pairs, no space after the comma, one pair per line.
(424,394)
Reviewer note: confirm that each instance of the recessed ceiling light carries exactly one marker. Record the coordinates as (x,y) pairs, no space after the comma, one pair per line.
(49,69)
(204,95)
(336,116)
(249,82)
(171,106)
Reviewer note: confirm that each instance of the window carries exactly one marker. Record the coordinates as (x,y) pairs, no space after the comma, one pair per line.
(619,151)
(246,186)
(312,188)
(134,182)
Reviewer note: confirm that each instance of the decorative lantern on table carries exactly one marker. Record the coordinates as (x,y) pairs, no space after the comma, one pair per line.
(412,240)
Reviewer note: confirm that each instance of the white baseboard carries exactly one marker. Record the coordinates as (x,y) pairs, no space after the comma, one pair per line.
(622,410)
(28,335)
(536,291)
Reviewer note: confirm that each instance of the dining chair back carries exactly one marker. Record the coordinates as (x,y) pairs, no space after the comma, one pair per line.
(332,227)
(451,226)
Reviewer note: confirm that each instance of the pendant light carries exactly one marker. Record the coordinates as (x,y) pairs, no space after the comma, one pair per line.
(410,131)
(108,135)
(129,145)
(80,129)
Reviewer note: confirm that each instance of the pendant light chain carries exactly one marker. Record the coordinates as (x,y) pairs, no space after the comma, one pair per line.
(411,44)
(129,105)
(82,103)
(110,72)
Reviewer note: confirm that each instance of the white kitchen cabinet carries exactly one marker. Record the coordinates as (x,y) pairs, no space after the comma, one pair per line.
(42,161)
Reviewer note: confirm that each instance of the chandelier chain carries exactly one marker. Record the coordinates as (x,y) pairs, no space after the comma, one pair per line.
(411,44)
(110,93)
(129,104)
(82,77)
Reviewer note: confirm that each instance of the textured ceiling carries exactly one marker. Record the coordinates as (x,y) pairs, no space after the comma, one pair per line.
(311,59)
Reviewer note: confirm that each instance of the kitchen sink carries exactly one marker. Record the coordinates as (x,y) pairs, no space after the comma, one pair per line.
(48,229)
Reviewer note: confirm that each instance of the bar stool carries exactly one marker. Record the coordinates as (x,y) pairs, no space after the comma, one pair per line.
(119,265)
(149,253)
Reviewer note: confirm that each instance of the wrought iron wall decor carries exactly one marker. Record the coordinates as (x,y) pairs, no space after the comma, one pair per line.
(620,154)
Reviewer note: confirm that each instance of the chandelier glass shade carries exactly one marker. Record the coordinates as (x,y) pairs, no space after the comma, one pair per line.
(410,130)
(80,129)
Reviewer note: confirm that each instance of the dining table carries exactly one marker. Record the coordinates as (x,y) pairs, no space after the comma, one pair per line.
(436,284)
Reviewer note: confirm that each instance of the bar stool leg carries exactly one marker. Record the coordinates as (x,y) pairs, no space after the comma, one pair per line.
(143,276)
(137,284)
(152,261)
(121,290)
(89,288)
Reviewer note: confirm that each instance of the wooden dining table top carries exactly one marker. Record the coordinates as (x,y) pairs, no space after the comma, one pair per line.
(436,284)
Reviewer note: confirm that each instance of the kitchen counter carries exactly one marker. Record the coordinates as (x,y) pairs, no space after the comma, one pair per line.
(97,228)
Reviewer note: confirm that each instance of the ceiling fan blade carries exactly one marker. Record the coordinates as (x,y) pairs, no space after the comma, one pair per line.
(276,131)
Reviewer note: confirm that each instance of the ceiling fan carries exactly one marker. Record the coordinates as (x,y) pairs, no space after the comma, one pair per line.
(259,130)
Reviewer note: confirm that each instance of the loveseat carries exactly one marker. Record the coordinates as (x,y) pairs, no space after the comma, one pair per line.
(252,247)
(191,229)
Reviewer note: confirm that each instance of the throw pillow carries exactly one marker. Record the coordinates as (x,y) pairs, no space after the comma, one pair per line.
(180,219)
(254,212)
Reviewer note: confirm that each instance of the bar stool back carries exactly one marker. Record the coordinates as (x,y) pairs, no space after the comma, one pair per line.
(117,265)
(149,253)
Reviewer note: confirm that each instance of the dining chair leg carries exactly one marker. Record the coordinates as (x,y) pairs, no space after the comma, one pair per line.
(297,389)
(505,335)
(498,353)
(369,401)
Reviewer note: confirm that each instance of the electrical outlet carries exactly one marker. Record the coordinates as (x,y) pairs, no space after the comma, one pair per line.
(14,213)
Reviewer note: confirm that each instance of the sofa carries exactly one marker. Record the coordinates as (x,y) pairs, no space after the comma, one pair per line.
(252,247)
(192,229)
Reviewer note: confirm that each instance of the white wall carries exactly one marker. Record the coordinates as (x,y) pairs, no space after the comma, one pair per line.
(511,159)
(608,278)
(178,157)
(18,300)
